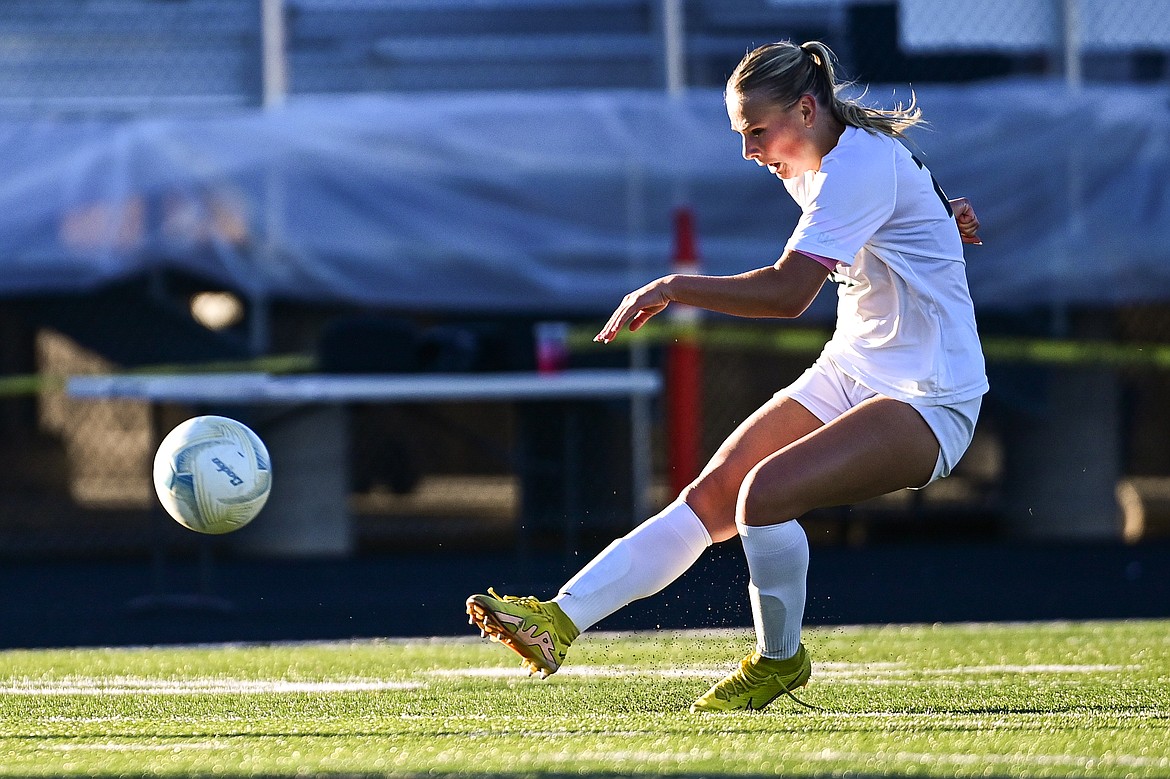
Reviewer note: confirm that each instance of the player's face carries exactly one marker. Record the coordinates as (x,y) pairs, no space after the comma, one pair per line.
(780,138)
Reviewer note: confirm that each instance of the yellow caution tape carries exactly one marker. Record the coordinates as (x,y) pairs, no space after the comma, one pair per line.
(810,341)
(795,341)
(32,383)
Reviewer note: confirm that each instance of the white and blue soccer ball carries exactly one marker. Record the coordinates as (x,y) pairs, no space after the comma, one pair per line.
(212,474)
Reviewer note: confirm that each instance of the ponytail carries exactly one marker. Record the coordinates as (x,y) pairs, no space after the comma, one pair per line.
(783,72)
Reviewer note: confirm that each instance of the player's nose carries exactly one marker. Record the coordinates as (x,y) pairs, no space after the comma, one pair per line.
(753,151)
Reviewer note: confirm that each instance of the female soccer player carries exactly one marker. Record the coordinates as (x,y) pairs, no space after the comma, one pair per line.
(890,403)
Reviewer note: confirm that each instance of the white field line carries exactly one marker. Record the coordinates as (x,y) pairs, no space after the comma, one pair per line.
(656,635)
(585,671)
(821,756)
(689,671)
(119,685)
(868,673)
(983,759)
(888,759)
(1029,669)
(845,672)
(176,747)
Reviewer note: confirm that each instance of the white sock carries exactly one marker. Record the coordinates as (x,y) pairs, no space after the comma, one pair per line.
(636,565)
(777,557)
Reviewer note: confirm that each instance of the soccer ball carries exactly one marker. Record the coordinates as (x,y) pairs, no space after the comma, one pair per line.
(212,474)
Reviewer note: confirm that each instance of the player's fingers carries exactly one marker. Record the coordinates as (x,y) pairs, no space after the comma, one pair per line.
(615,324)
(635,309)
(634,317)
(967,221)
(641,318)
(969,230)
(606,333)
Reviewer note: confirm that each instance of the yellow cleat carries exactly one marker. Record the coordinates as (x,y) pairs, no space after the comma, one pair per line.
(757,682)
(538,631)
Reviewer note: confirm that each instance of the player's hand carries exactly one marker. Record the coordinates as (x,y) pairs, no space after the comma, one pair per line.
(636,309)
(967,221)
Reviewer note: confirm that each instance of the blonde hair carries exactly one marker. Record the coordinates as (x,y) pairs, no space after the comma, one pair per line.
(782,72)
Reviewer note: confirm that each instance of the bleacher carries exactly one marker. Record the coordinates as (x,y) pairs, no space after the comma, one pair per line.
(128,54)
(408,45)
(142,55)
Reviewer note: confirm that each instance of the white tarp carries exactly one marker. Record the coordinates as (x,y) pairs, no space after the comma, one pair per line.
(557,201)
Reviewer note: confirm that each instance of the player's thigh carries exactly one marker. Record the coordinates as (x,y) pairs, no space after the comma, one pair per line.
(713,495)
(880,446)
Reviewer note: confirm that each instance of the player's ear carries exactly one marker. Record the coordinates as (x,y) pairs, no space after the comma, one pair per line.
(808,109)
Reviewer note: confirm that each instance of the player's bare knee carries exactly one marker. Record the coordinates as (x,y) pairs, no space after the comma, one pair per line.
(712,497)
(761,501)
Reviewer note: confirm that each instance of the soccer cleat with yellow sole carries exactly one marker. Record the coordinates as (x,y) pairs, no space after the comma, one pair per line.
(757,682)
(538,631)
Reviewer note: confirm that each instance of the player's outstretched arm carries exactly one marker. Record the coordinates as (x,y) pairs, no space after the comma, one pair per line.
(783,290)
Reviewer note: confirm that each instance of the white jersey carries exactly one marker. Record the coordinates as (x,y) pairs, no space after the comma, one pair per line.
(905,321)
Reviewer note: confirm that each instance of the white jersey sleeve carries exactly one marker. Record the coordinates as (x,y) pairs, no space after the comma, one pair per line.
(842,205)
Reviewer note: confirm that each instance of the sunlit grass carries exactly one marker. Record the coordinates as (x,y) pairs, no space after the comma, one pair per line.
(1086,699)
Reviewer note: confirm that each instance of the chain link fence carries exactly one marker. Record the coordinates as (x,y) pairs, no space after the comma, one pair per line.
(75,475)
(159,55)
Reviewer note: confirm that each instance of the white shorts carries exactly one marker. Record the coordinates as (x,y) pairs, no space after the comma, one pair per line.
(828,393)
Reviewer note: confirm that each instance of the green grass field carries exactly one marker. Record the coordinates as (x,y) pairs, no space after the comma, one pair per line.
(1076,699)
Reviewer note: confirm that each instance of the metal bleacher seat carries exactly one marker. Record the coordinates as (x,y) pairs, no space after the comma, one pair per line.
(595,60)
(416,45)
(412,45)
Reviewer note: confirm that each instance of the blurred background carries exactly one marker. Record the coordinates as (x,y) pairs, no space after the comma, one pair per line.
(413,186)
